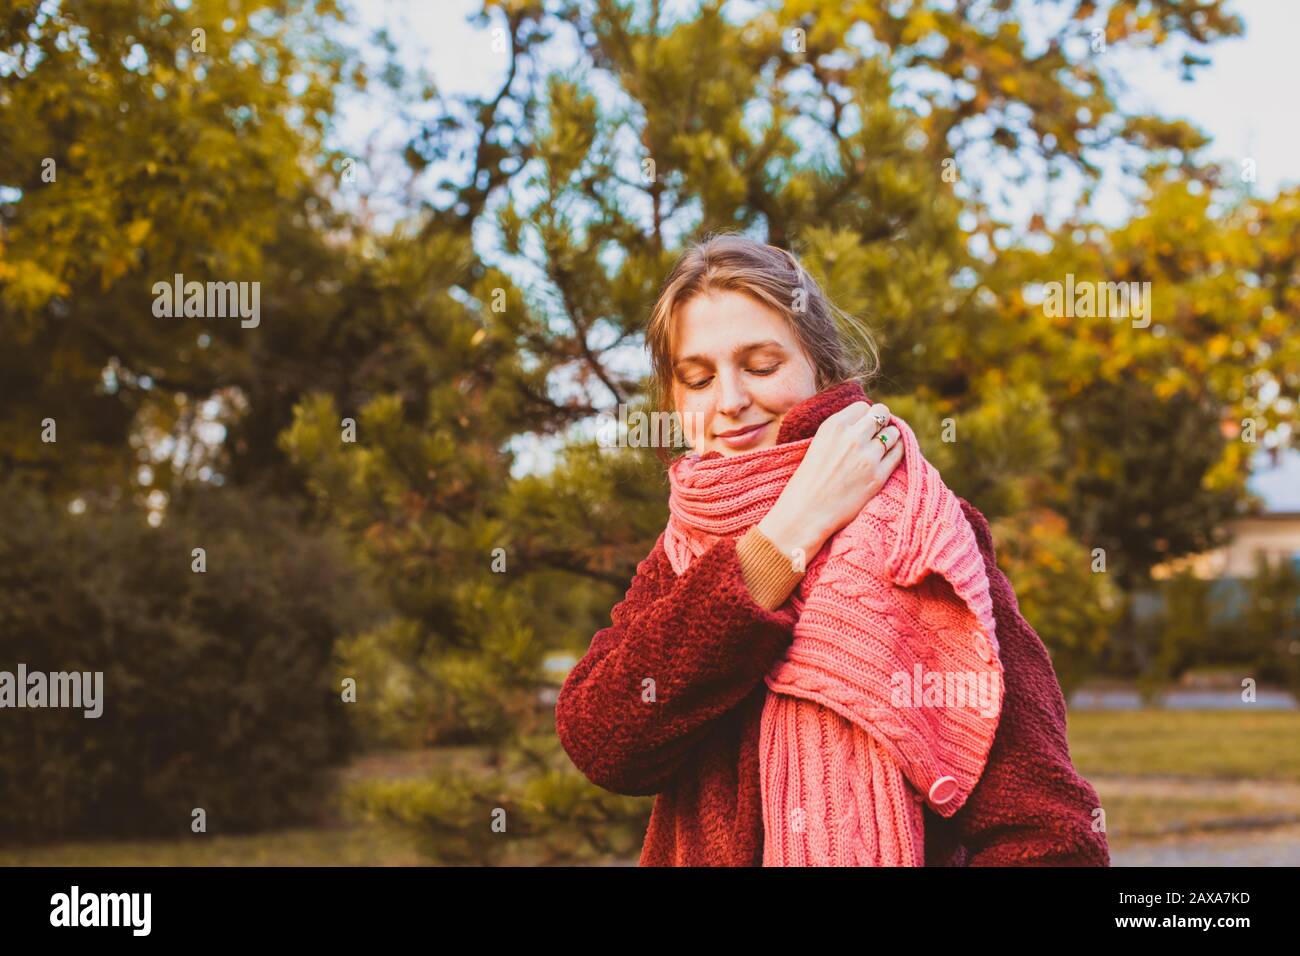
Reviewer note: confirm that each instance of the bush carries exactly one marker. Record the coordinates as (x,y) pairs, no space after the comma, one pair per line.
(1180,635)
(218,688)
(529,808)
(1271,621)
(1067,604)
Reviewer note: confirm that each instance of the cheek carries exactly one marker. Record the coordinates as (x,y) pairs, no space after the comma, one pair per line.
(785,389)
(693,409)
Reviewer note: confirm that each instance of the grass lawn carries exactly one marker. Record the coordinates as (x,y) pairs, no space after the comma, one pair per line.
(1162,773)
(1158,773)
(1224,744)
(335,846)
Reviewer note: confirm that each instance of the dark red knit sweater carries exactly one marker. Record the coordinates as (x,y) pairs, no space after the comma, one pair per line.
(706,645)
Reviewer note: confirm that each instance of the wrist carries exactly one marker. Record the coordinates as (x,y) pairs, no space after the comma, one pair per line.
(797,540)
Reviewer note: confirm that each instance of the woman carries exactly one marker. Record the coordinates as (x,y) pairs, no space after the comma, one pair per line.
(695,692)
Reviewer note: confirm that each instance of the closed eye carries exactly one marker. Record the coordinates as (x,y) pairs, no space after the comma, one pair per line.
(753,371)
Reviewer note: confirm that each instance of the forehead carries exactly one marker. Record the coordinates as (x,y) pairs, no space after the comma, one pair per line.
(715,325)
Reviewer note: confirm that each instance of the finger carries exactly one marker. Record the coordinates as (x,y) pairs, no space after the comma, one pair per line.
(884,440)
(879,417)
(854,413)
(885,465)
(892,457)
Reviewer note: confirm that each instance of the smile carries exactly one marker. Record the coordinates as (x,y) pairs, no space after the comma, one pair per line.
(743,437)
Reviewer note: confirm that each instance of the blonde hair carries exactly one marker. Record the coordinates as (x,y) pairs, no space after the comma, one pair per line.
(774,277)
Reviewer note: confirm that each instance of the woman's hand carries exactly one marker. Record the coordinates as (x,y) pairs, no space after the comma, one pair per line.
(845,465)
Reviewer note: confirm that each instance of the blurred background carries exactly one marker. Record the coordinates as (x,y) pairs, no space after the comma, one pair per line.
(335,562)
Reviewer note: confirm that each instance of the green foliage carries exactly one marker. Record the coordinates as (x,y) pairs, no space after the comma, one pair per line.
(1136,476)
(219,688)
(1272,620)
(524,811)
(1071,606)
(166,159)
(1181,631)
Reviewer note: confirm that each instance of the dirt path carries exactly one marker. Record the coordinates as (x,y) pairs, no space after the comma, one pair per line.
(1280,794)
(1259,825)
(1279,846)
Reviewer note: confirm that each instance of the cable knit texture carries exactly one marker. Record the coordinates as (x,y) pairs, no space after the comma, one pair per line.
(890,691)
(669,700)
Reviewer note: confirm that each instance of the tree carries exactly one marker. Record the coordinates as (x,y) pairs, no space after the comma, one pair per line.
(144,141)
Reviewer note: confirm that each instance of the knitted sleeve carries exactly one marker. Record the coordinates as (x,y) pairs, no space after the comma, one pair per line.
(1031,807)
(680,651)
(769,574)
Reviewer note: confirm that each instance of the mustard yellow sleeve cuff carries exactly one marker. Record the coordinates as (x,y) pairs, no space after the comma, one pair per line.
(769,574)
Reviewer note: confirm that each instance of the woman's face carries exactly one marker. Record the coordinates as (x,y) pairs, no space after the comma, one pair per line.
(737,370)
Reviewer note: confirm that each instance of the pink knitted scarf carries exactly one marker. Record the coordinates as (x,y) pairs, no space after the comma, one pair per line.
(889,694)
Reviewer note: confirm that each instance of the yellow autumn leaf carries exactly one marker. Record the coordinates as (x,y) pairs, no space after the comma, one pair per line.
(918,26)
(137,230)
(112,270)
(1166,388)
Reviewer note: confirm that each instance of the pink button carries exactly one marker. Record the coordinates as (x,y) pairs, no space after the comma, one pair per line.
(943,790)
(982,647)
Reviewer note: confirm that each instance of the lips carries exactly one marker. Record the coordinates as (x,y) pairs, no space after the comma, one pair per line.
(739,438)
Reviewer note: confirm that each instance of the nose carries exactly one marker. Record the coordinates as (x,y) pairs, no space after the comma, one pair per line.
(733,397)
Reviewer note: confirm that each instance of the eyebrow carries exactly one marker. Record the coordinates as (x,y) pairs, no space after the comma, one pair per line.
(737,352)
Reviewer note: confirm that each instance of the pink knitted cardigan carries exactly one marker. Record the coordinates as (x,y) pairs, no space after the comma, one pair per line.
(889,694)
